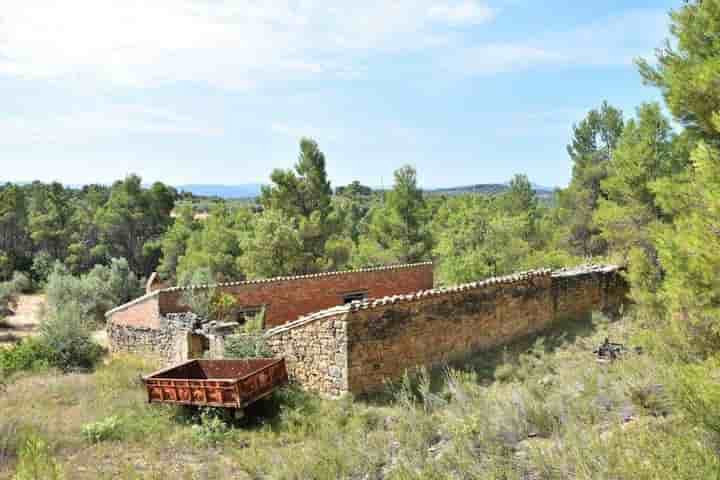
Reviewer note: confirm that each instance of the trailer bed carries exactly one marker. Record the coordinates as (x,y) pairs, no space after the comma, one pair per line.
(216,383)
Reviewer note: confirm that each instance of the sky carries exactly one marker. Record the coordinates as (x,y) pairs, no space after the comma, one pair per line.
(220,92)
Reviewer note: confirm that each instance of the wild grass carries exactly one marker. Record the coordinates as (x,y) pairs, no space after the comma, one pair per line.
(542,408)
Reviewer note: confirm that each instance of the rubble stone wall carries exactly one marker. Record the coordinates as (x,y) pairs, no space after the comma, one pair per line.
(315,351)
(169,341)
(387,339)
(358,348)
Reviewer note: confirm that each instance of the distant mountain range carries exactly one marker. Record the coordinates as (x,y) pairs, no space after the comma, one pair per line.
(252,190)
(487,189)
(243,190)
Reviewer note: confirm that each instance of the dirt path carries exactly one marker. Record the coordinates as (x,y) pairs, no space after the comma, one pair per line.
(24,321)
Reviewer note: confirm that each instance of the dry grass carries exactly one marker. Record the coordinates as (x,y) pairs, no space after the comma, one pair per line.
(553,413)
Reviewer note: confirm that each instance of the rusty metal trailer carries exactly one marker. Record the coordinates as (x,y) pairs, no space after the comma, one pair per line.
(216,383)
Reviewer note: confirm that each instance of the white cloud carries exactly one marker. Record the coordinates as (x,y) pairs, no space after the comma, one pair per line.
(237,44)
(103,122)
(612,41)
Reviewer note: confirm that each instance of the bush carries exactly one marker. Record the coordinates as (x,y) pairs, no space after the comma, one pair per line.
(67,336)
(9,292)
(30,354)
(246,346)
(213,427)
(698,393)
(223,306)
(42,266)
(64,342)
(108,429)
(200,300)
(21,283)
(96,292)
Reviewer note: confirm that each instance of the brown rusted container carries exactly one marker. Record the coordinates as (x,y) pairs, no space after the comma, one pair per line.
(216,383)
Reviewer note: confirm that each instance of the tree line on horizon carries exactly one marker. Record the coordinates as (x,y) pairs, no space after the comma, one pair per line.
(642,193)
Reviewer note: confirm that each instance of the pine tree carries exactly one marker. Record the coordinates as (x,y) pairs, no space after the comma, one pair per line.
(594,141)
(397,231)
(687,73)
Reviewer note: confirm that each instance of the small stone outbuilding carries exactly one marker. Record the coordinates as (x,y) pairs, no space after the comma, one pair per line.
(160,323)
(346,332)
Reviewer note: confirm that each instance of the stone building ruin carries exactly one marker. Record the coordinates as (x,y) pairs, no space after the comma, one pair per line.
(351,331)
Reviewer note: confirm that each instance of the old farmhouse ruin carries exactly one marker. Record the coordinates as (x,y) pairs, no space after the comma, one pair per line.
(351,331)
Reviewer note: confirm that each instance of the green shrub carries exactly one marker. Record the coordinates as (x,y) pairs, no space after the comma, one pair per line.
(96,292)
(698,392)
(64,343)
(42,266)
(223,306)
(246,346)
(200,300)
(109,428)
(213,427)
(21,282)
(30,354)
(255,323)
(67,337)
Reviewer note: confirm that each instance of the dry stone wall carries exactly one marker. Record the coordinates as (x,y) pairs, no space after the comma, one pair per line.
(358,347)
(378,340)
(388,337)
(169,342)
(315,351)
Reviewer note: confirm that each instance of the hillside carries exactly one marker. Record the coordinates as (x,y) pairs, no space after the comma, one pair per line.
(541,408)
(487,189)
(243,190)
(252,190)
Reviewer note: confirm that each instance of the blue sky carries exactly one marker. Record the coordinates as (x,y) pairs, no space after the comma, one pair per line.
(206,91)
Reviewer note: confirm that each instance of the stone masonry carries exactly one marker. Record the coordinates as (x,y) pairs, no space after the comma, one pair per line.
(357,347)
(284,298)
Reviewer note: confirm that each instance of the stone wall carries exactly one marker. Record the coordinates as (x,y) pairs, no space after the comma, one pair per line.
(579,291)
(389,337)
(315,350)
(169,341)
(285,298)
(357,348)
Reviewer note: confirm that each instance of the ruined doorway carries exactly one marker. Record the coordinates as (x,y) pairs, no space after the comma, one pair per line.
(198,345)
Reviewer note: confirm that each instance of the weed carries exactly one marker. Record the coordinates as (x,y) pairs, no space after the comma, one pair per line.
(213,427)
(109,428)
(37,462)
